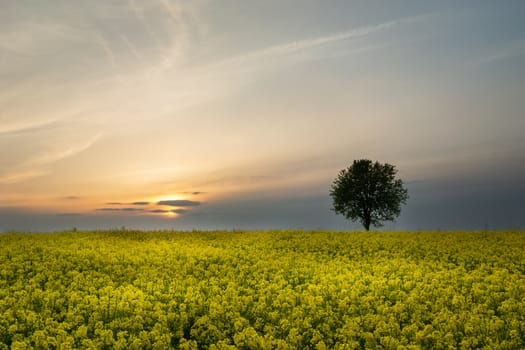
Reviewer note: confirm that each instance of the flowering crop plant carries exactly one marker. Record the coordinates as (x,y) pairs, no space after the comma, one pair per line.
(262,290)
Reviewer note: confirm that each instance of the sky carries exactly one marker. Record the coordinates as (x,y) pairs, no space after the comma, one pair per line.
(234,114)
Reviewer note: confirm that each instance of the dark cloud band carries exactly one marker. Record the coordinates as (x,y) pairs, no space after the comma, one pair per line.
(179,211)
(119,209)
(179,203)
(163,211)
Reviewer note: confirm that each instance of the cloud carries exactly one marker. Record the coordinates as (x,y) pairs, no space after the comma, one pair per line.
(164,211)
(51,157)
(71,198)
(119,209)
(69,214)
(511,50)
(19,175)
(179,211)
(132,203)
(37,165)
(31,38)
(160,211)
(17,127)
(200,82)
(179,203)
(311,43)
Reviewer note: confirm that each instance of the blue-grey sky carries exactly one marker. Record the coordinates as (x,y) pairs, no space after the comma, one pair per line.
(239,114)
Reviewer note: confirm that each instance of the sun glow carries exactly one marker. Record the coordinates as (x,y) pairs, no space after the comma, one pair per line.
(170,214)
(159,198)
(165,210)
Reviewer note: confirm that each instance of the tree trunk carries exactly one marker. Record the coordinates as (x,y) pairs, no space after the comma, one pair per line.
(366,223)
(366,217)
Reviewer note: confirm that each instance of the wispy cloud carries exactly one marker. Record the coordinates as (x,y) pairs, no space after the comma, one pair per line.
(514,49)
(179,203)
(132,209)
(160,211)
(107,48)
(20,175)
(54,156)
(132,203)
(120,209)
(164,211)
(314,42)
(160,80)
(27,126)
(38,165)
(71,198)
(170,27)
(31,38)
(199,83)
(195,193)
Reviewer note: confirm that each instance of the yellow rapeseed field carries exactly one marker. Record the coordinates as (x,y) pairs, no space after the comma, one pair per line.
(262,290)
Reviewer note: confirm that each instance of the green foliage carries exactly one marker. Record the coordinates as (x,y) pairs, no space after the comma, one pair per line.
(262,290)
(368,192)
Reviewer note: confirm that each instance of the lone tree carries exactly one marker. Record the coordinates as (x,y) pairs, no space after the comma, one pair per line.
(368,192)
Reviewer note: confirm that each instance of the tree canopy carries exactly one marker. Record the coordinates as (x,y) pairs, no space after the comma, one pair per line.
(369,192)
